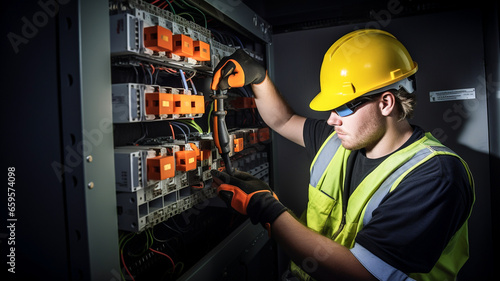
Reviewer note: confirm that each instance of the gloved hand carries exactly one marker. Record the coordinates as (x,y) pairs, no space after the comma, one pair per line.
(237,70)
(249,196)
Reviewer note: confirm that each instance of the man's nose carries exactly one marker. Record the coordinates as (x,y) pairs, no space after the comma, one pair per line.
(334,119)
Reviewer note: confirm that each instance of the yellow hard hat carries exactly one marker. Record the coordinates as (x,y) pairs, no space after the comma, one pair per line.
(360,63)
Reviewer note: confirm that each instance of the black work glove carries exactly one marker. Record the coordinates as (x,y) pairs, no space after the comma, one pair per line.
(249,196)
(237,70)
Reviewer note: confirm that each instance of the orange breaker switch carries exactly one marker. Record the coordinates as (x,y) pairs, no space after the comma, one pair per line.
(159,103)
(197,104)
(199,155)
(182,104)
(185,160)
(183,45)
(160,167)
(158,38)
(263,134)
(201,51)
(238,144)
(252,137)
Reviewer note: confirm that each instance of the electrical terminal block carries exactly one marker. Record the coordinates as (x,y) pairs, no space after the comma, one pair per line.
(185,160)
(197,104)
(159,104)
(201,51)
(161,167)
(238,144)
(138,102)
(253,137)
(263,134)
(183,45)
(182,104)
(158,39)
(194,147)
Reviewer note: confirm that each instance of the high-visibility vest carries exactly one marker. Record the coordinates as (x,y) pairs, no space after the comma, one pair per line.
(325,213)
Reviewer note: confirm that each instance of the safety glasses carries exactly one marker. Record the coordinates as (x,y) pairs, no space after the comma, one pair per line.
(350,107)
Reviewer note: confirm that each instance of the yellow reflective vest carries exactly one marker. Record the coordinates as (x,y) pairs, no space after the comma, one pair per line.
(326,216)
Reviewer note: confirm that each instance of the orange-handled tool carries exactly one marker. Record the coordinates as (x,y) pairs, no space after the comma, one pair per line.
(221,135)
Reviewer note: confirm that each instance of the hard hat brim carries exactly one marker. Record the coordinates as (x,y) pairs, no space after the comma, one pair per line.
(325,101)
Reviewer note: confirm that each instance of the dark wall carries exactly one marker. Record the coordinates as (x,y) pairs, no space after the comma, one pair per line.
(32,144)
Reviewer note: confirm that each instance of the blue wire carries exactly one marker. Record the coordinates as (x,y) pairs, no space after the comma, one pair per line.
(178,127)
(150,75)
(183,79)
(218,36)
(239,41)
(194,88)
(188,129)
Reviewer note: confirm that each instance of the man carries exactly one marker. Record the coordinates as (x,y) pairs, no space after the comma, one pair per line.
(387,201)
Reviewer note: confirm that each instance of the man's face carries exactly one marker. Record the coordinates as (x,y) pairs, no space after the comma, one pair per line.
(362,129)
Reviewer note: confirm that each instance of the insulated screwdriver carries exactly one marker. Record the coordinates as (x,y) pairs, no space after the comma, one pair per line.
(221,135)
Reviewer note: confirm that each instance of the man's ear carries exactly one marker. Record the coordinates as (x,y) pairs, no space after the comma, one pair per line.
(387,104)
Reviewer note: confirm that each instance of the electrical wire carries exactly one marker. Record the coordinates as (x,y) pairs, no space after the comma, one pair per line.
(192,124)
(172,128)
(183,77)
(185,126)
(126,268)
(192,75)
(239,41)
(172,7)
(136,74)
(193,7)
(163,254)
(209,115)
(178,127)
(123,241)
(187,14)
(156,238)
(217,35)
(193,87)
(150,76)
(173,229)
(143,129)
(196,126)
(143,73)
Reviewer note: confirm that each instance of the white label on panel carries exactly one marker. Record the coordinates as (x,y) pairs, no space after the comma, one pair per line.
(449,95)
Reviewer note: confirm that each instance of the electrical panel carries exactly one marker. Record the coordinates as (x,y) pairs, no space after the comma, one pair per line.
(162,63)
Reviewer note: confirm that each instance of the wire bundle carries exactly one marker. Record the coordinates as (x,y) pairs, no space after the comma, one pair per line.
(150,238)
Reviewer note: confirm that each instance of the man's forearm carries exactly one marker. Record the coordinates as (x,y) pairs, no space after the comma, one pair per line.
(277,113)
(319,256)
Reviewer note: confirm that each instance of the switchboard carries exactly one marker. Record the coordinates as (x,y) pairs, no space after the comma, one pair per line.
(161,65)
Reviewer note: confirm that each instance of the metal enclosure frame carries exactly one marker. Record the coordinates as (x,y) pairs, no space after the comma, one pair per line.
(87,127)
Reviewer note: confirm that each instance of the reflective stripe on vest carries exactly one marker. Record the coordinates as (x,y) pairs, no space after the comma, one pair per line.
(322,160)
(390,181)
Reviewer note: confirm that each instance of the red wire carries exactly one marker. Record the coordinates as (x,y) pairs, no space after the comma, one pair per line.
(124,265)
(158,252)
(154,2)
(172,128)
